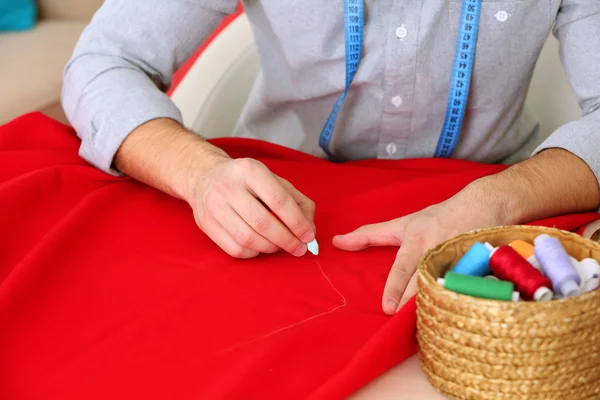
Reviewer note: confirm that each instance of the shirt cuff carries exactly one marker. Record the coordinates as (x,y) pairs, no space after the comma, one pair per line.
(108,132)
(106,111)
(578,137)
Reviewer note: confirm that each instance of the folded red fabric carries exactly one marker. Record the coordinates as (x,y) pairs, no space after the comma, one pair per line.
(109,290)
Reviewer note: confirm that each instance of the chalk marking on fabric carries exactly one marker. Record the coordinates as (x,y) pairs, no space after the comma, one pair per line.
(295,324)
(330,283)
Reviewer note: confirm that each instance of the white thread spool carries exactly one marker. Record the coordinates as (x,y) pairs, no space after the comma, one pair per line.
(588,270)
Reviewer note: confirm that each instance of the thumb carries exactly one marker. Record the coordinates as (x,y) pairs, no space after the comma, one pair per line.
(381,234)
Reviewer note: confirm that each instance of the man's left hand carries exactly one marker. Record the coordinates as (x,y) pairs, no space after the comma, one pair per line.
(554,182)
(415,234)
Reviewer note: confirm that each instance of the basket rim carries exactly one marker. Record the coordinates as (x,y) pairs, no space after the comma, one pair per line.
(424,277)
(473,328)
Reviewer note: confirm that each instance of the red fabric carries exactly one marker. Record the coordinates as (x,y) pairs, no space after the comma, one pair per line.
(180,74)
(108,290)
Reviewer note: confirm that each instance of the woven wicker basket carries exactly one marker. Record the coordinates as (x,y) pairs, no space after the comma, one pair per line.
(471,348)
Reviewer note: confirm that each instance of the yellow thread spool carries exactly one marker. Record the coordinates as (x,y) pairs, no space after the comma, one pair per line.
(526,250)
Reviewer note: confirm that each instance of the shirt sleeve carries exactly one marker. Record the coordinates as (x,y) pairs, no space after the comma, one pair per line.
(578,30)
(123,64)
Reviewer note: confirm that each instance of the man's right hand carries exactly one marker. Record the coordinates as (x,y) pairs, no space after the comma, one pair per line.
(239,203)
(246,209)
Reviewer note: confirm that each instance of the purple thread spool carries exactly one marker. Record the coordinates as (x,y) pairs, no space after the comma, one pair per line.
(557,266)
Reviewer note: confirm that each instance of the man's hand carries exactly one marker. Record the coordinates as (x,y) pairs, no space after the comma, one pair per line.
(554,182)
(241,205)
(415,234)
(235,204)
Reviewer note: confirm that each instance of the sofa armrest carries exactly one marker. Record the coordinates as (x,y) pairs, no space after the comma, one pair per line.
(80,10)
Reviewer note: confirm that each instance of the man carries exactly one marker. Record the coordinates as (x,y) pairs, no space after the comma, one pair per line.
(395,108)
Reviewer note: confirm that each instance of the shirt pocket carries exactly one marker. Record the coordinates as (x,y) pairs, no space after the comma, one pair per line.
(511,36)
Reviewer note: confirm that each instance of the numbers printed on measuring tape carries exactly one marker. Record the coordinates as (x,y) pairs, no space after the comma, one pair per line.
(353,22)
(461,78)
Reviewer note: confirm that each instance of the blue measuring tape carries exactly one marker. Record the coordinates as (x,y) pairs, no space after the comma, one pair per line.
(353,23)
(461,77)
(462,69)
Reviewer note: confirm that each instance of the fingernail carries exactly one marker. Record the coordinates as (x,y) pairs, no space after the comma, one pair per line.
(392,304)
(308,237)
(300,250)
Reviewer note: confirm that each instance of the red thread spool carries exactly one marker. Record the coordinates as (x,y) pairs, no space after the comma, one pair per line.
(508,265)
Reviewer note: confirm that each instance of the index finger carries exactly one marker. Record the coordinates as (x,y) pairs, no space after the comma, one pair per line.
(306,205)
(279,200)
(402,270)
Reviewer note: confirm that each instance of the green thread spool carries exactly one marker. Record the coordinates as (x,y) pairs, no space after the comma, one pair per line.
(479,287)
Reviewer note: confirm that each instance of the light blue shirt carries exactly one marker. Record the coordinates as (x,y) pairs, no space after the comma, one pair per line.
(126,57)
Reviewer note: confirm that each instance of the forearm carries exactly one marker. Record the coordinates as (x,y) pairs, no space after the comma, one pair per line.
(239,204)
(122,64)
(552,183)
(563,177)
(163,154)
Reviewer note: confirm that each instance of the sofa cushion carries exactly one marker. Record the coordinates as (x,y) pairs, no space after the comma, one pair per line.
(17,15)
(34,61)
(80,10)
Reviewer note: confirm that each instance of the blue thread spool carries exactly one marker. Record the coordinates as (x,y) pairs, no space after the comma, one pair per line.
(475,262)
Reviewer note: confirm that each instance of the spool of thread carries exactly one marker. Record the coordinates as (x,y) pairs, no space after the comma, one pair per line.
(475,262)
(588,270)
(526,250)
(557,266)
(477,286)
(508,265)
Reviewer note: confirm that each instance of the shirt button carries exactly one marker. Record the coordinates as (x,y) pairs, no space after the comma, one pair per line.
(501,16)
(390,148)
(397,101)
(401,31)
